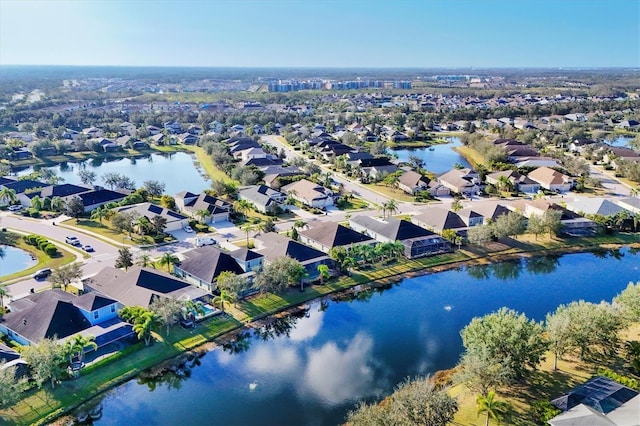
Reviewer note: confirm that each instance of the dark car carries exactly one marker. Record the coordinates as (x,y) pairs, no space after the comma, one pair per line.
(42,274)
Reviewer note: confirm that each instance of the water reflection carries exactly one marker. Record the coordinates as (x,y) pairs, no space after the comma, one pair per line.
(512,269)
(542,264)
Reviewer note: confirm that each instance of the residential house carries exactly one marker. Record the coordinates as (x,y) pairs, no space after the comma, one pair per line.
(376,168)
(632,204)
(153,130)
(579,144)
(139,286)
(551,179)
(99,197)
(158,139)
(600,401)
(518,182)
(93,132)
(56,314)
(202,266)
(23,189)
(571,223)
(490,211)
(310,194)
(272,246)
(439,219)
(175,221)
(418,241)
(436,189)
(594,206)
(470,217)
(536,162)
(462,181)
(193,204)
(128,129)
(173,127)
(264,199)
(326,235)
(412,182)
(187,138)
(274,176)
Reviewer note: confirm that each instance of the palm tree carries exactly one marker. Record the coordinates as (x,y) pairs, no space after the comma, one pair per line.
(142,225)
(145,325)
(242,207)
(391,206)
(383,207)
(299,224)
(323,270)
(193,309)
(168,259)
(57,204)
(633,192)
(248,227)
(203,214)
(8,195)
(3,293)
(36,203)
(144,260)
(224,296)
(492,407)
(504,184)
(99,213)
(78,346)
(158,224)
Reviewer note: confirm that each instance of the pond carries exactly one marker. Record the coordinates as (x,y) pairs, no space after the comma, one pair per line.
(176,170)
(438,158)
(313,368)
(15,260)
(620,141)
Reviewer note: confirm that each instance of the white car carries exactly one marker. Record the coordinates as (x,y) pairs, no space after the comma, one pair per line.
(87,248)
(15,208)
(188,229)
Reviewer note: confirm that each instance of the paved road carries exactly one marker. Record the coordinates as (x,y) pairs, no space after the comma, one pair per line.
(613,186)
(349,186)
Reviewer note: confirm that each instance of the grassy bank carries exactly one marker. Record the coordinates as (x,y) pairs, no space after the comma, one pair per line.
(471,155)
(39,406)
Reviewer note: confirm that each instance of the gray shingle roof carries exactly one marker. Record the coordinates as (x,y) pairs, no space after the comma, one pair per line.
(392,228)
(276,245)
(332,234)
(208,262)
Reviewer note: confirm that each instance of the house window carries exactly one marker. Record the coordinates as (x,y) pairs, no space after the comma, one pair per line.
(96,315)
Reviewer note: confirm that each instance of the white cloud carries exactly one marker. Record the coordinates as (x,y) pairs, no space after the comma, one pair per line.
(307,328)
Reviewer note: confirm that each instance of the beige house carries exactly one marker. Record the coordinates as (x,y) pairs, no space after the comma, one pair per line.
(311,194)
(551,179)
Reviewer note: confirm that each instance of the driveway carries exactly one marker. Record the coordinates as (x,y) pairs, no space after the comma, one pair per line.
(613,186)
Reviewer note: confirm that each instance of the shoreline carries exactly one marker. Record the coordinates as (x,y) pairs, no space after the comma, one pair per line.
(231,333)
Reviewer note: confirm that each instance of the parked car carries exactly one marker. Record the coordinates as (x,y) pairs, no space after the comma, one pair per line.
(87,248)
(187,229)
(42,273)
(204,241)
(74,241)
(15,208)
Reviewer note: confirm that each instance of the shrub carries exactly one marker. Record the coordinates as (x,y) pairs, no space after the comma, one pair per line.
(50,250)
(34,213)
(619,378)
(200,227)
(543,411)
(43,244)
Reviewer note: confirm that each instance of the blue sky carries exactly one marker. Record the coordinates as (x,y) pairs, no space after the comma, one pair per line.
(317,33)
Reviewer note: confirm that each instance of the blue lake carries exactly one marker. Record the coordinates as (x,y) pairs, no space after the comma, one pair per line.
(313,368)
(176,170)
(15,260)
(438,158)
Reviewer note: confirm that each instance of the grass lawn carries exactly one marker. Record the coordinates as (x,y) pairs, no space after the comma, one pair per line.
(396,194)
(471,155)
(44,261)
(207,164)
(102,229)
(353,203)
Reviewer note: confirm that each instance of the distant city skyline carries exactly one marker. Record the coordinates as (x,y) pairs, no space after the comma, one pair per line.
(344,34)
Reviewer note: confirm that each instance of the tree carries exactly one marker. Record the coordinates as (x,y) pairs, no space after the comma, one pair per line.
(203,214)
(75,208)
(279,274)
(508,225)
(507,337)
(124,259)
(8,195)
(87,177)
(552,222)
(99,213)
(479,234)
(323,270)
(414,402)
(487,404)
(247,227)
(456,206)
(158,224)
(193,309)
(36,203)
(168,259)
(4,292)
(536,225)
(629,301)
(479,372)
(144,325)
(235,285)
(223,297)
(144,260)
(77,346)
(124,221)
(391,206)
(46,359)
(558,328)
(57,204)
(168,310)
(242,207)
(65,275)
(10,388)
(155,188)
